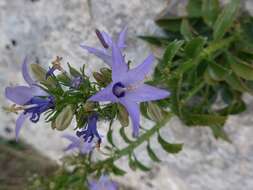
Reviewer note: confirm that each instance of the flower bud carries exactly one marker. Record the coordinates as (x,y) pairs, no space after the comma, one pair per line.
(154,112)
(88,106)
(123,116)
(40,74)
(64,119)
(99,78)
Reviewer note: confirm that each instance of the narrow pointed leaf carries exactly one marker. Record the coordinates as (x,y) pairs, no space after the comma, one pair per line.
(110,137)
(171,51)
(205,119)
(152,154)
(124,136)
(226,19)
(140,165)
(194,47)
(186,30)
(168,147)
(241,68)
(117,171)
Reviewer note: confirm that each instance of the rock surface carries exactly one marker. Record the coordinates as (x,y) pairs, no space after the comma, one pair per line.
(44,29)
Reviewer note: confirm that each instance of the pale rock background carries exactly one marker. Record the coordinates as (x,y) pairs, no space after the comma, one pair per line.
(43,29)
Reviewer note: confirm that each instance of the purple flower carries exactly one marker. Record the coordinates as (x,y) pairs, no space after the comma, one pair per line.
(128,86)
(90,131)
(106,41)
(32,99)
(104,183)
(76,82)
(78,144)
(50,72)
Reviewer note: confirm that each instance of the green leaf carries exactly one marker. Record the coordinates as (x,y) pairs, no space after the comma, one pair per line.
(131,162)
(73,71)
(217,72)
(123,115)
(219,132)
(210,9)
(110,137)
(170,24)
(117,171)
(171,51)
(226,19)
(186,30)
(205,119)
(241,68)
(235,108)
(194,8)
(236,83)
(168,147)
(64,119)
(155,40)
(124,136)
(151,154)
(140,165)
(194,47)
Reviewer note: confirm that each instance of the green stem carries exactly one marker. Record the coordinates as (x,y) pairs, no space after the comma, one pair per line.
(125,151)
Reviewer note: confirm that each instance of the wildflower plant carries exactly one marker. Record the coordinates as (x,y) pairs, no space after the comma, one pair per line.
(206,63)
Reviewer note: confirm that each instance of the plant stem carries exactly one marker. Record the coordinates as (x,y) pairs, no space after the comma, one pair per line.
(125,151)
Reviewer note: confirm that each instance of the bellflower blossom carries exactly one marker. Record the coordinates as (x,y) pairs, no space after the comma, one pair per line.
(32,99)
(88,133)
(128,86)
(106,41)
(78,144)
(104,183)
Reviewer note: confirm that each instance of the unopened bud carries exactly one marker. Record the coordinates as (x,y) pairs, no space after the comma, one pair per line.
(154,112)
(40,74)
(64,119)
(89,106)
(123,116)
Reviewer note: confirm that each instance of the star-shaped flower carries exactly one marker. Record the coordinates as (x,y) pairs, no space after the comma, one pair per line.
(32,99)
(104,53)
(128,86)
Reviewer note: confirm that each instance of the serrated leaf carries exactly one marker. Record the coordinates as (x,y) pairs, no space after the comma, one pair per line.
(110,137)
(226,19)
(186,30)
(210,9)
(152,154)
(194,47)
(124,136)
(205,119)
(117,171)
(168,147)
(194,8)
(140,165)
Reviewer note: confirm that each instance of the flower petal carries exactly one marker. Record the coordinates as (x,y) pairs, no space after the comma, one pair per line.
(25,73)
(101,53)
(122,38)
(19,94)
(19,123)
(146,93)
(107,38)
(104,95)
(119,67)
(140,72)
(134,112)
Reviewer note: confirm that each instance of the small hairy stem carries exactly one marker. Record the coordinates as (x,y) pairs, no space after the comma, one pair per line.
(125,151)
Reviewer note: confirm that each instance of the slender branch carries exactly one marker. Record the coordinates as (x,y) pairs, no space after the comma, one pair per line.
(125,151)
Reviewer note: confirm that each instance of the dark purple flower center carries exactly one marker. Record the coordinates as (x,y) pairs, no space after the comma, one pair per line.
(90,131)
(37,105)
(119,89)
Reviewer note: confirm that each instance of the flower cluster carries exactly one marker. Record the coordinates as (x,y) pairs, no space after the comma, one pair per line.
(63,96)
